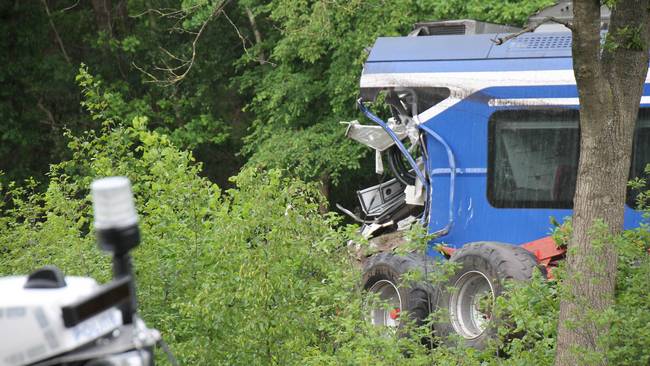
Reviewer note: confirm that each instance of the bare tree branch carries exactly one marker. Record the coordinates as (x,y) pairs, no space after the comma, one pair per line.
(148,74)
(168,12)
(256,32)
(177,73)
(59,41)
(180,77)
(70,7)
(50,117)
(531,28)
(171,55)
(261,60)
(103,17)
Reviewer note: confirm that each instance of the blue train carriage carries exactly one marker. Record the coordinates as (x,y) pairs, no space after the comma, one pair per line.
(482,141)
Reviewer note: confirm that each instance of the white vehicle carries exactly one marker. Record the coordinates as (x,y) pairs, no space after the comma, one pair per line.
(47,318)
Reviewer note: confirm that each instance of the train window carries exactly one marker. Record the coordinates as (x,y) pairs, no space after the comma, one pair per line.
(641,153)
(533,157)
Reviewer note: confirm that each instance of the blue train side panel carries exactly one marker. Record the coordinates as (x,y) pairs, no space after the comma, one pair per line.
(465,128)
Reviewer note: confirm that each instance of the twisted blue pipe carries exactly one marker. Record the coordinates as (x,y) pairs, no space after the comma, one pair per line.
(452,178)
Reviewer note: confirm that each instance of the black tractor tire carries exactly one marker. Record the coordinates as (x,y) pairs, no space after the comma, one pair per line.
(481,265)
(417,297)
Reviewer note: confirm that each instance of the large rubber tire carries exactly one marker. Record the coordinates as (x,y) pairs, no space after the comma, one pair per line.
(482,267)
(416,298)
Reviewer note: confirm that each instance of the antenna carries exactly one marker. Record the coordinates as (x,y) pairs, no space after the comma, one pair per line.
(116,225)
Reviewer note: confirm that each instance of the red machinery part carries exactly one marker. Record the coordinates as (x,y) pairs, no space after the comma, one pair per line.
(545,249)
(547,252)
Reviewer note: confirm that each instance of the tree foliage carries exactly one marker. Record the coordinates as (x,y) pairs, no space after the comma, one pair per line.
(45,43)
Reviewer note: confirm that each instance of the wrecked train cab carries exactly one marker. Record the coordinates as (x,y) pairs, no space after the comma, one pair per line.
(483,142)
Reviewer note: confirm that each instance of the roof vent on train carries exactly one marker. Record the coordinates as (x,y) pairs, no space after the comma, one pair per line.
(538,42)
(531,45)
(459,27)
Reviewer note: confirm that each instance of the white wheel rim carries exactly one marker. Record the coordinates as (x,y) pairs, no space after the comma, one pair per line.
(386,312)
(467,317)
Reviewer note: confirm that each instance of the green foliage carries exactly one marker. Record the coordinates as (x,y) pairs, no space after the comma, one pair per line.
(628,38)
(609,3)
(511,12)
(530,312)
(224,277)
(38,90)
(639,188)
(108,104)
(252,276)
(317,152)
(631,312)
(41,99)
(562,232)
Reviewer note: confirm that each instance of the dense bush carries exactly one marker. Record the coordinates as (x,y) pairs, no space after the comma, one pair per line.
(253,275)
(243,278)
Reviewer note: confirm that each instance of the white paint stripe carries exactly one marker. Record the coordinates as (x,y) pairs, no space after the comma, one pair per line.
(440,171)
(463,84)
(437,109)
(532,102)
(543,101)
(468,81)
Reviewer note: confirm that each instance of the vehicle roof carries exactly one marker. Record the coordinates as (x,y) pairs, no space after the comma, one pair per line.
(468,62)
(470,47)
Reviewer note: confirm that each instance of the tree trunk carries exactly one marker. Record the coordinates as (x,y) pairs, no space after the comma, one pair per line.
(257,33)
(102,10)
(57,36)
(610,85)
(325,182)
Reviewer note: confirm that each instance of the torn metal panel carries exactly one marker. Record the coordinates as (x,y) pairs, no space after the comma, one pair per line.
(459,27)
(415,195)
(379,163)
(375,136)
(469,82)
(381,199)
(405,224)
(368,230)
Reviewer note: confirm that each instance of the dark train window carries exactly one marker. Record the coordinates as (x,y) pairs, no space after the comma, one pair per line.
(641,153)
(533,157)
